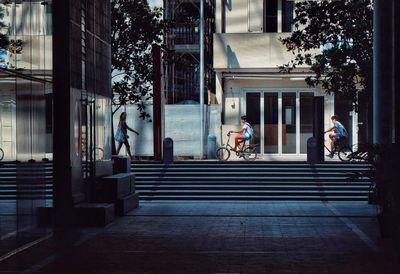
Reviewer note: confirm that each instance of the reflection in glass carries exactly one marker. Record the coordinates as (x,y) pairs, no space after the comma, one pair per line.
(103,129)
(306,119)
(271,122)
(253,115)
(289,122)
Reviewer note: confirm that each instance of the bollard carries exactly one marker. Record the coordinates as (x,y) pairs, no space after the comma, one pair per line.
(211,146)
(168,151)
(122,164)
(312,151)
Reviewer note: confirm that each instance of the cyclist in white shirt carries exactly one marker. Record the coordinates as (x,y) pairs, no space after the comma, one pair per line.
(244,134)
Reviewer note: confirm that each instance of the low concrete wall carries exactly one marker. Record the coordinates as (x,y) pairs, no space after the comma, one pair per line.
(182,124)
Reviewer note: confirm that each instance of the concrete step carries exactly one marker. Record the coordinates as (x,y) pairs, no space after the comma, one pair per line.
(251,187)
(243,174)
(261,183)
(240,192)
(253,198)
(162,178)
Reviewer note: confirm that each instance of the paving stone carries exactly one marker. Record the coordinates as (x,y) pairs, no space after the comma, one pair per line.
(225,238)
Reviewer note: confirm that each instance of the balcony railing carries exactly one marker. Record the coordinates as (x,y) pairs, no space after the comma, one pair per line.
(185,34)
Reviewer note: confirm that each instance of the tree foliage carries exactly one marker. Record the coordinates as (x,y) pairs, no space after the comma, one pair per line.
(343,30)
(135,27)
(4,41)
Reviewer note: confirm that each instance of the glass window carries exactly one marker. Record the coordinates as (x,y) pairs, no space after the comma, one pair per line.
(289,122)
(306,119)
(271,16)
(287,15)
(271,122)
(253,114)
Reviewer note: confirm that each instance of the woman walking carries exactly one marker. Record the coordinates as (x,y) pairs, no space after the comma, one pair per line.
(122,134)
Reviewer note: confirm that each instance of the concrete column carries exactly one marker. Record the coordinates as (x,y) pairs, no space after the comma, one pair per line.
(69,77)
(397,71)
(66,185)
(218,87)
(383,74)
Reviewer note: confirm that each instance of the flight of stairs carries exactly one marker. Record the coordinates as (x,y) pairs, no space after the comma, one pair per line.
(209,180)
(219,181)
(26,181)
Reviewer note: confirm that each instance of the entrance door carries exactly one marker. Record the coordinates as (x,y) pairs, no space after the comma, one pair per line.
(282,119)
(88,137)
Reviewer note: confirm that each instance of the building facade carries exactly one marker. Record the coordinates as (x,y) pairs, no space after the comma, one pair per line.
(26,81)
(247,54)
(182,55)
(55,100)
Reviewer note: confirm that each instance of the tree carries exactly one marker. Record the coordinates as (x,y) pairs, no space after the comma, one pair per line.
(135,27)
(4,42)
(343,30)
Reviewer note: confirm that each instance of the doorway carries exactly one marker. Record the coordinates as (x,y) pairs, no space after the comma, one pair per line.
(282,119)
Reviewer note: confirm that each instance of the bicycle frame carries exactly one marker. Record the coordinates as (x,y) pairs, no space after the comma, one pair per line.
(227,145)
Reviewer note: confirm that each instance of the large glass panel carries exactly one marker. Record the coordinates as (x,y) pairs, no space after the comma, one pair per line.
(103,129)
(271,122)
(306,119)
(289,122)
(271,16)
(25,118)
(287,15)
(253,114)
(7,118)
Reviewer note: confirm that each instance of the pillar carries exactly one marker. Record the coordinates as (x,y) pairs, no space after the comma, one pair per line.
(383,71)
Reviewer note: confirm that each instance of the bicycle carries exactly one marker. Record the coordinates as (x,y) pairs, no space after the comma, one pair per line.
(342,150)
(1,154)
(248,152)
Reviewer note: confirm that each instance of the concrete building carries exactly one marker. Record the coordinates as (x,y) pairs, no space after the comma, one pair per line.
(247,53)
(55,101)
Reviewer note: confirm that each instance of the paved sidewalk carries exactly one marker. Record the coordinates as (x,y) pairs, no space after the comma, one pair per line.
(230,237)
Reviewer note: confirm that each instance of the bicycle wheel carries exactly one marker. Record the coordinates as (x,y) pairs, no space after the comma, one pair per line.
(1,154)
(223,154)
(345,153)
(250,153)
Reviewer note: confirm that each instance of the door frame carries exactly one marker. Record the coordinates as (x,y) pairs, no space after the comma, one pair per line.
(280,91)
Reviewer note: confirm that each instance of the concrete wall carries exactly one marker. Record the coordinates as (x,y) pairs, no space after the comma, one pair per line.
(250,50)
(182,124)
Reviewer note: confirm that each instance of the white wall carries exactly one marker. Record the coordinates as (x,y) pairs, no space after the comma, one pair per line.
(236,16)
(250,50)
(182,124)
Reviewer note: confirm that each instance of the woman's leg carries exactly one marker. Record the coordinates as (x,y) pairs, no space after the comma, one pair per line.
(238,140)
(128,149)
(119,147)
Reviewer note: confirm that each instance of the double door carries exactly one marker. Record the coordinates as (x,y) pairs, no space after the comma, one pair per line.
(282,119)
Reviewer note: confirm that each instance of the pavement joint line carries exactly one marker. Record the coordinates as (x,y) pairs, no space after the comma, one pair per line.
(354,228)
(25,247)
(253,216)
(36,267)
(13,233)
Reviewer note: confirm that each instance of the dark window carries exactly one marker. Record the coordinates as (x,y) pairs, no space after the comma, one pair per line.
(271,16)
(287,15)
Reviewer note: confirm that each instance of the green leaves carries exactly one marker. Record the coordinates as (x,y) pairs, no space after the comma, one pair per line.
(4,41)
(135,27)
(343,30)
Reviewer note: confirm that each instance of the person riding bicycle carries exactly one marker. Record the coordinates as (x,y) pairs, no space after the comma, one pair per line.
(338,134)
(244,134)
